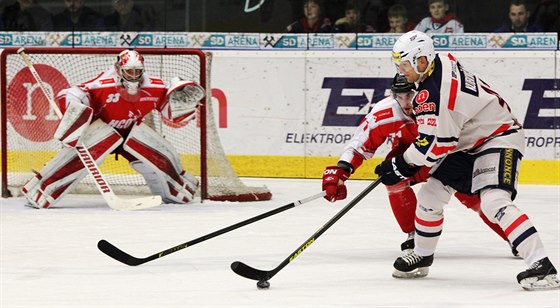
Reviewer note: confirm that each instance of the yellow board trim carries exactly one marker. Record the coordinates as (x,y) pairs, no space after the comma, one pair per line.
(532,171)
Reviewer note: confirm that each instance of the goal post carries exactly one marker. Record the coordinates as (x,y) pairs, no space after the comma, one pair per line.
(28,123)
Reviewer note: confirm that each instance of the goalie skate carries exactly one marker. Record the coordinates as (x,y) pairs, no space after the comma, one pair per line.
(541,275)
(412,266)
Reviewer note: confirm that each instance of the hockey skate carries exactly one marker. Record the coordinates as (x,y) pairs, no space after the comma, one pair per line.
(407,247)
(541,275)
(412,266)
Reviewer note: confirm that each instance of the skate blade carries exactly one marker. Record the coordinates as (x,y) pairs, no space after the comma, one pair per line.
(417,273)
(31,205)
(549,282)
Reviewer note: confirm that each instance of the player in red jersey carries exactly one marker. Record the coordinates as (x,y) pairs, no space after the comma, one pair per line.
(105,115)
(391,118)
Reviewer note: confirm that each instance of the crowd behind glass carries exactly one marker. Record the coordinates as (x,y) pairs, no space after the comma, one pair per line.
(277,16)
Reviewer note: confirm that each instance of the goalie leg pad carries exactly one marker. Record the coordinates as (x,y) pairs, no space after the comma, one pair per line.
(159,164)
(61,174)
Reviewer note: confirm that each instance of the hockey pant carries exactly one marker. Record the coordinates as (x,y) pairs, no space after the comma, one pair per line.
(159,164)
(62,173)
(494,178)
(403,203)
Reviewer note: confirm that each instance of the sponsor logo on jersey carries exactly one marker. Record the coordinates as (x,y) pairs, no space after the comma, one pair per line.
(422,96)
(425,108)
(382,115)
(107,81)
(423,143)
(148,99)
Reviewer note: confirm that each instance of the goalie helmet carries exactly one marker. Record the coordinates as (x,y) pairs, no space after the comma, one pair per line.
(411,46)
(130,67)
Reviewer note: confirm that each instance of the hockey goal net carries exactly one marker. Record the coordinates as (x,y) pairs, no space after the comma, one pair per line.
(28,123)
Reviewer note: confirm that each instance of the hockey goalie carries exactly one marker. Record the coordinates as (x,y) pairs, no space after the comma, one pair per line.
(105,115)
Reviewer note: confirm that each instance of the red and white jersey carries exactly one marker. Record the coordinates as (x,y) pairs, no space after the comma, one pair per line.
(457,111)
(385,121)
(446,25)
(113,104)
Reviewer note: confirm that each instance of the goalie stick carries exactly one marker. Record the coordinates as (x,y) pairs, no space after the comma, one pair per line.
(119,255)
(101,183)
(262,277)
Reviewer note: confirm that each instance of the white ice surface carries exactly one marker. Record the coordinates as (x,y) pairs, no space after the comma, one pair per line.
(49,258)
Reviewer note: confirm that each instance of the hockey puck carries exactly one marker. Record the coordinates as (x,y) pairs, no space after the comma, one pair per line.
(263,284)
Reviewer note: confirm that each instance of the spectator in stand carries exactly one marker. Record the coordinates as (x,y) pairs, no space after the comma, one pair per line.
(398,22)
(519,16)
(313,20)
(352,21)
(129,17)
(26,15)
(76,17)
(441,20)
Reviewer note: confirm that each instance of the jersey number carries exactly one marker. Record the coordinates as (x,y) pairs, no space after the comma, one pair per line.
(502,102)
(113,98)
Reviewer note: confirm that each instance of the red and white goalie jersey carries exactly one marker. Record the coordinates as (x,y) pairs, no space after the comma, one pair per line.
(385,121)
(456,111)
(112,103)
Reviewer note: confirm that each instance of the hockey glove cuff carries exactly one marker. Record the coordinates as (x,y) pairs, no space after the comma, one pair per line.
(395,170)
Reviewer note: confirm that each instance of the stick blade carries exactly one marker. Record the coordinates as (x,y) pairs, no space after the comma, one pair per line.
(117,254)
(246,271)
(121,204)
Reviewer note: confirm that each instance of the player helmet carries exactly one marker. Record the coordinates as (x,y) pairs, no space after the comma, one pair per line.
(411,46)
(401,85)
(130,67)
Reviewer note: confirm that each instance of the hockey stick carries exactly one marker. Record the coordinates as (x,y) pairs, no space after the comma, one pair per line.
(119,255)
(112,200)
(262,277)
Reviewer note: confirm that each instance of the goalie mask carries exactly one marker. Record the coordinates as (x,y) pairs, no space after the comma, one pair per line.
(130,68)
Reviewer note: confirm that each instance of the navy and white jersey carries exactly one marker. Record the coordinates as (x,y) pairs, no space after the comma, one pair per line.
(457,111)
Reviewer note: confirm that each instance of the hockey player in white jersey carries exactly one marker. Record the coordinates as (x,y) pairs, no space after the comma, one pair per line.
(469,135)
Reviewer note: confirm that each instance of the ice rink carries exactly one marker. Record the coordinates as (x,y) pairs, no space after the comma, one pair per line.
(49,258)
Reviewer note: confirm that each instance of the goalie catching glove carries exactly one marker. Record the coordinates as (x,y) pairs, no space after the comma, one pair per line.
(333,182)
(183,98)
(395,170)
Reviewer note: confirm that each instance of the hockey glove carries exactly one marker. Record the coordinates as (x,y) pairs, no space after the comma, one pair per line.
(333,183)
(395,170)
